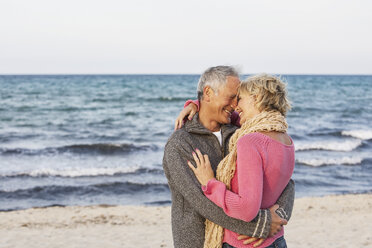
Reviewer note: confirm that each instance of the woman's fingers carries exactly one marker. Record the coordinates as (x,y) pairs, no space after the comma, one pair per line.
(258,243)
(206,160)
(196,158)
(200,156)
(192,113)
(240,237)
(192,167)
(248,241)
(200,159)
(180,118)
(178,124)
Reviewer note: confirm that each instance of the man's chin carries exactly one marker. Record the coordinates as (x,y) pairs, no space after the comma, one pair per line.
(226,120)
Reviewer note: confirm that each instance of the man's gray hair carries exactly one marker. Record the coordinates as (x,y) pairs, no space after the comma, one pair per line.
(215,77)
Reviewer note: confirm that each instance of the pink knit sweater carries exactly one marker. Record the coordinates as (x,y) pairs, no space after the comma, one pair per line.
(264,168)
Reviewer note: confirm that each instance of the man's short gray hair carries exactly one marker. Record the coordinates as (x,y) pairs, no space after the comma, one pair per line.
(215,77)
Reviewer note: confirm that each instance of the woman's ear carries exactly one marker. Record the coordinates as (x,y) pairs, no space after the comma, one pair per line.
(254,98)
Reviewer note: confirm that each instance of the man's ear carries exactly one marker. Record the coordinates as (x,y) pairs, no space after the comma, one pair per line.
(207,93)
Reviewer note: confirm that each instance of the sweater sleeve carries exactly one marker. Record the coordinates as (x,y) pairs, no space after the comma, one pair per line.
(246,203)
(188,102)
(286,201)
(182,179)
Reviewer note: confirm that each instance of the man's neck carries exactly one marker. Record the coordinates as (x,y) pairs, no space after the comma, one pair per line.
(204,119)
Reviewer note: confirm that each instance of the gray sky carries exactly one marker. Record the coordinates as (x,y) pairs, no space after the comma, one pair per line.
(171,36)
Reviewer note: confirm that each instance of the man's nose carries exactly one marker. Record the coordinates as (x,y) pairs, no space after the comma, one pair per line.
(234,103)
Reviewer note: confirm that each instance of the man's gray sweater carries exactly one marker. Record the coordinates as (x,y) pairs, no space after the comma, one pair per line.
(190,207)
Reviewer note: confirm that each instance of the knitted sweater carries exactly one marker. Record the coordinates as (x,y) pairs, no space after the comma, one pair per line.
(264,168)
(189,205)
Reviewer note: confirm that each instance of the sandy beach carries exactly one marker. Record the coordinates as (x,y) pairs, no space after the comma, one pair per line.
(332,221)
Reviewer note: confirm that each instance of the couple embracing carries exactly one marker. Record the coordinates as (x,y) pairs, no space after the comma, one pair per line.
(229,167)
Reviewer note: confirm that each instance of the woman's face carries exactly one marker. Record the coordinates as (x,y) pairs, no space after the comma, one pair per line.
(246,107)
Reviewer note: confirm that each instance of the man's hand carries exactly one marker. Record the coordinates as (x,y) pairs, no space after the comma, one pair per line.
(250,240)
(276,225)
(189,111)
(276,221)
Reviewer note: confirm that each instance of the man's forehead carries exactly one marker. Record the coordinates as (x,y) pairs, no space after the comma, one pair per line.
(232,84)
(233,79)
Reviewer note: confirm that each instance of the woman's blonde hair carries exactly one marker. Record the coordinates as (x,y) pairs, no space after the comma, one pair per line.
(269,91)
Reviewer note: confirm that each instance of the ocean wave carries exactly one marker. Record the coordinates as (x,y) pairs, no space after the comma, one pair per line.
(167,202)
(167,99)
(100,148)
(343,146)
(316,162)
(129,187)
(54,192)
(82,172)
(104,148)
(359,134)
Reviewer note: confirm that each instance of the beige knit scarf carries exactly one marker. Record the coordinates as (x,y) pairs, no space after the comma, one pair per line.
(263,122)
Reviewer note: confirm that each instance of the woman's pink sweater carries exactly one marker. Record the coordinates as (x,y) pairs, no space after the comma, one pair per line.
(264,168)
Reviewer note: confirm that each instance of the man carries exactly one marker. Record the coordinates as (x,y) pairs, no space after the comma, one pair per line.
(209,131)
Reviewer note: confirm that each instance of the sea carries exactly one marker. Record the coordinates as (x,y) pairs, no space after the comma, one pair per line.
(99,139)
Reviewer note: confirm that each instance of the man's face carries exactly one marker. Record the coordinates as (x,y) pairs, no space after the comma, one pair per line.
(223,104)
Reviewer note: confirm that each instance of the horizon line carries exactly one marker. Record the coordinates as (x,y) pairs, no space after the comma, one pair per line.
(165,74)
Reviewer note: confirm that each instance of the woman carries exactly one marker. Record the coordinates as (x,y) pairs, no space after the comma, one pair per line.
(259,165)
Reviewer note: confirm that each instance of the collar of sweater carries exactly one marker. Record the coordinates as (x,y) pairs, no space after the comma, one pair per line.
(194,126)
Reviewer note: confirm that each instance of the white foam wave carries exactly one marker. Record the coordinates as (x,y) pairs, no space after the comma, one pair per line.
(76,172)
(344,145)
(331,161)
(360,134)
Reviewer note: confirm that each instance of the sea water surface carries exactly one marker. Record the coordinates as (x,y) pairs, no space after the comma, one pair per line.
(99,139)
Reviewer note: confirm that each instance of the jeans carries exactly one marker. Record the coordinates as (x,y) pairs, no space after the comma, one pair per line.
(278,243)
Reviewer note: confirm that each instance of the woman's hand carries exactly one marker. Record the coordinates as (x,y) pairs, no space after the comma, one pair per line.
(189,112)
(203,170)
(250,240)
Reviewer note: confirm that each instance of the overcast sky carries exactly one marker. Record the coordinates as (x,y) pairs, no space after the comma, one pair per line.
(171,36)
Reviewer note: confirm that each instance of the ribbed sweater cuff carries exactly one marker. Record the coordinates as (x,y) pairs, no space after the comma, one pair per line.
(196,102)
(207,188)
(264,225)
(281,212)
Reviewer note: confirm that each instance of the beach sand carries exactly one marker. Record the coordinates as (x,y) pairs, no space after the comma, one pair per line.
(332,221)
